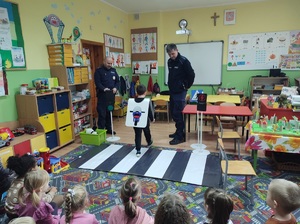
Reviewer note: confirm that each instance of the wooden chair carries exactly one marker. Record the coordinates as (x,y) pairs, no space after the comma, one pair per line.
(229,135)
(241,122)
(118,105)
(162,106)
(228,120)
(236,168)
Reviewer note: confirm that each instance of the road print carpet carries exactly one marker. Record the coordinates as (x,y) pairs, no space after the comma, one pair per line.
(103,190)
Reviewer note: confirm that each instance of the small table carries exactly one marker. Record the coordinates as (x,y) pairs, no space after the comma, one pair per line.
(189,109)
(271,142)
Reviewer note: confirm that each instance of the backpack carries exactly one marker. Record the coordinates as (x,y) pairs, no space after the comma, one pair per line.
(156,88)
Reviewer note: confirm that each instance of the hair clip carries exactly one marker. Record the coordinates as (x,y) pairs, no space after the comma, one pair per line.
(72,192)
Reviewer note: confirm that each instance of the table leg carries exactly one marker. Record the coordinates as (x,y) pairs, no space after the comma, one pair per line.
(184,131)
(189,124)
(254,156)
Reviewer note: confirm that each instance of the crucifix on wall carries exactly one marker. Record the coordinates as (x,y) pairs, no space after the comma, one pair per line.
(215,18)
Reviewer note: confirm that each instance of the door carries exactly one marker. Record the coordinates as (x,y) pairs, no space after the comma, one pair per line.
(96,54)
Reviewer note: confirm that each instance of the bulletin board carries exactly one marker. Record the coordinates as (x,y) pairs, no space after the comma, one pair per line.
(114,47)
(206,59)
(264,51)
(144,51)
(11,38)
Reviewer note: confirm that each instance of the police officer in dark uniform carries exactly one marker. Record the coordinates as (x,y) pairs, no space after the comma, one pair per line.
(181,78)
(106,81)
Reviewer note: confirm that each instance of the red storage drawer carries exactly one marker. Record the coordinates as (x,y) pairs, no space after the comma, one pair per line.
(22,148)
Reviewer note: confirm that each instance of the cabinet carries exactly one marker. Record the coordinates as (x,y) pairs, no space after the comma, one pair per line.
(266,85)
(21,145)
(50,113)
(76,79)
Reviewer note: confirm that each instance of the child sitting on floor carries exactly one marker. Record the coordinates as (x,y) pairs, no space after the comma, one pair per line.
(218,206)
(283,197)
(172,209)
(76,200)
(36,182)
(21,166)
(129,212)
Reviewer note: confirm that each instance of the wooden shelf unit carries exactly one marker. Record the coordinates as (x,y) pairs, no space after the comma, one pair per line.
(49,113)
(79,83)
(265,85)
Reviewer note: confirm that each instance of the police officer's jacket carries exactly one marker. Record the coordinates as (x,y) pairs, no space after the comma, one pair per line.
(181,74)
(106,78)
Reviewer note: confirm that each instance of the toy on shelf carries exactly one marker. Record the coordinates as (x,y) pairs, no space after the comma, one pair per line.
(6,133)
(50,163)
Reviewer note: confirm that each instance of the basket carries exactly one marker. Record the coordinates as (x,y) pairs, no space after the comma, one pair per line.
(286,161)
(90,139)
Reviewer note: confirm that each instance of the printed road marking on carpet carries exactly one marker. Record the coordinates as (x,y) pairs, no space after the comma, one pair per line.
(172,165)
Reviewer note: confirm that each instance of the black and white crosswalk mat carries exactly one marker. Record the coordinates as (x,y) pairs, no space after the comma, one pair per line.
(171,165)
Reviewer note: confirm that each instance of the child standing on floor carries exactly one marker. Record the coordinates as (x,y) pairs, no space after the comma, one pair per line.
(218,206)
(283,197)
(129,212)
(141,94)
(36,182)
(172,209)
(76,200)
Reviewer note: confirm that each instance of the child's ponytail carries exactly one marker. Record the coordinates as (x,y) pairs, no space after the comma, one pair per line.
(130,194)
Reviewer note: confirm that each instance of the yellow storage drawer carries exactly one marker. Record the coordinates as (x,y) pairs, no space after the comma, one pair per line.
(38,142)
(63,117)
(65,135)
(48,122)
(5,153)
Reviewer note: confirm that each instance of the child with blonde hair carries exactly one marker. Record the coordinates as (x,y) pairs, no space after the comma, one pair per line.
(23,220)
(218,205)
(129,212)
(22,165)
(36,182)
(76,200)
(172,209)
(283,197)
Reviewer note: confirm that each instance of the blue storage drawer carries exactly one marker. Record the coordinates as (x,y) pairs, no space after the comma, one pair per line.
(45,104)
(51,139)
(62,101)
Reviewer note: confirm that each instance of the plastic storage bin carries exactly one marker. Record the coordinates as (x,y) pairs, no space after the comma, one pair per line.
(90,139)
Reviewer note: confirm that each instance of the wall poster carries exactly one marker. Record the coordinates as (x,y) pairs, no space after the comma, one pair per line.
(264,51)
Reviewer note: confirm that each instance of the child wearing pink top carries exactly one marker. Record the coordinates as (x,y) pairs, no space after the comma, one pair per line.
(36,182)
(76,200)
(129,212)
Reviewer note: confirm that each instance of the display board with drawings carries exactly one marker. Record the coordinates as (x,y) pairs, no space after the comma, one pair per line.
(206,59)
(264,51)
(12,43)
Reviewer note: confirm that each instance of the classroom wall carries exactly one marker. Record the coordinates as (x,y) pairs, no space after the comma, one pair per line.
(91,16)
(265,16)
(95,18)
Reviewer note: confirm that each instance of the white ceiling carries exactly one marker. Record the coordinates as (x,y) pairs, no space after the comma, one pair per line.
(140,6)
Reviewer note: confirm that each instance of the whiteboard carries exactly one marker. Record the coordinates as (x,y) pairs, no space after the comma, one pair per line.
(206,59)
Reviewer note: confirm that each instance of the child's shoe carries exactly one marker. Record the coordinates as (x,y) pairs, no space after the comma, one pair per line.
(149,143)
